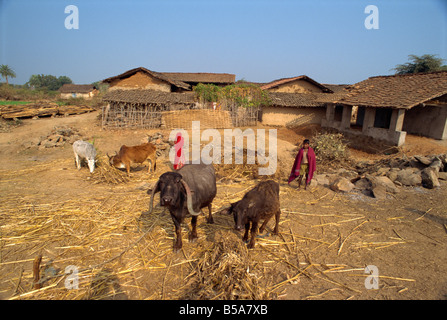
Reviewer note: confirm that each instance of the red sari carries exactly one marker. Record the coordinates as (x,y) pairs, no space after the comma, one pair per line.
(297,165)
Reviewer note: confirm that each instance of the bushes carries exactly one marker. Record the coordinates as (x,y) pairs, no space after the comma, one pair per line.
(330,146)
(208,92)
(241,94)
(10,92)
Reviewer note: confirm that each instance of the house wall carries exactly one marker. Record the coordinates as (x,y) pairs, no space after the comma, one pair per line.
(280,116)
(140,80)
(392,135)
(429,121)
(297,86)
(77,95)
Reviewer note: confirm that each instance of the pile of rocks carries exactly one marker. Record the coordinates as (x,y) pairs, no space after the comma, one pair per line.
(162,143)
(58,137)
(379,179)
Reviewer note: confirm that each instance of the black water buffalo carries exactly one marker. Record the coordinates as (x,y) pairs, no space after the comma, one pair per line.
(184,191)
(261,202)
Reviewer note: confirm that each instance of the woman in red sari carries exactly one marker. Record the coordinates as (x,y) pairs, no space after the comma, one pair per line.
(305,164)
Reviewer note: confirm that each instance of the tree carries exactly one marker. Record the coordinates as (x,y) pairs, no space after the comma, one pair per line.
(6,72)
(47,82)
(241,94)
(64,80)
(424,63)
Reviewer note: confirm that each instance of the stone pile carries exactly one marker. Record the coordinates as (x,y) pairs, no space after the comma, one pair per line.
(385,177)
(58,137)
(162,143)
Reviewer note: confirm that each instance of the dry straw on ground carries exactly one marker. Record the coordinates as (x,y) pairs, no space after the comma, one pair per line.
(223,273)
(122,252)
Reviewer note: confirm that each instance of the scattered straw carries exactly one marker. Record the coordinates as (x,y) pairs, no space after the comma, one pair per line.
(121,251)
(223,272)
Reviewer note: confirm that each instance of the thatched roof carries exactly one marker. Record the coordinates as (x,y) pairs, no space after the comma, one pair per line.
(76,88)
(397,91)
(153,74)
(149,97)
(218,78)
(277,83)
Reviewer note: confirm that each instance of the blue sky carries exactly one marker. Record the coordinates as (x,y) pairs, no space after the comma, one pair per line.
(256,40)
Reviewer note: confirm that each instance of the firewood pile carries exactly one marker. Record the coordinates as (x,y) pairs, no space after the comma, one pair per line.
(40,109)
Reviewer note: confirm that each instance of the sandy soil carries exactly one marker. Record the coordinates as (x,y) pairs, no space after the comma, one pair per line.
(326,239)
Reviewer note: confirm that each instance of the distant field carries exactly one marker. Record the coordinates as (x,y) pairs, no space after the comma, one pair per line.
(16,103)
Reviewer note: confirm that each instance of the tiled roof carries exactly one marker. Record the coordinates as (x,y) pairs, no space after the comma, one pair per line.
(76,88)
(154,74)
(202,77)
(284,99)
(336,88)
(279,82)
(397,91)
(149,97)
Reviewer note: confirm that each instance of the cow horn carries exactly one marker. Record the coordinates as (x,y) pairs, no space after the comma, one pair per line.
(189,199)
(154,190)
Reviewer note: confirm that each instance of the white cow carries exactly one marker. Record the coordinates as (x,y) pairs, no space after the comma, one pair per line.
(84,150)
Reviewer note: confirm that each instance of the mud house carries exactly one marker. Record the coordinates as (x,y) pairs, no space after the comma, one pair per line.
(85,91)
(295,101)
(388,107)
(142,78)
(141,98)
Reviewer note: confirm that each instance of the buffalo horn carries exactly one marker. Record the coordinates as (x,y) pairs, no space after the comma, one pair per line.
(189,199)
(151,203)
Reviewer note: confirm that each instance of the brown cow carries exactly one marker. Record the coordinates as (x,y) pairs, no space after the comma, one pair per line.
(134,154)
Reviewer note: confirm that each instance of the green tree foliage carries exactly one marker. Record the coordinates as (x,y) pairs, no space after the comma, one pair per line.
(424,63)
(6,71)
(47,82)
(208,92)
(242,94)
(63,80)
(102,87)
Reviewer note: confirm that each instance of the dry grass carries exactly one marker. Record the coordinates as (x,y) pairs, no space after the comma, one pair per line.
(223,272)
(122,252)
(105,173)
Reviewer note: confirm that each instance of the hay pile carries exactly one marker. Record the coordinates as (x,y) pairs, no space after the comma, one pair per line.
(223,272)
(245,171)
(105,173)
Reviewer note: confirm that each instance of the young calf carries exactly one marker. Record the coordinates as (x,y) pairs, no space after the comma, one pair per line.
(134,154)
(84,150)
(261,202)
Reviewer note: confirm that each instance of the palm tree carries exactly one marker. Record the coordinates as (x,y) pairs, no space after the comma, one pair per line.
(6,72)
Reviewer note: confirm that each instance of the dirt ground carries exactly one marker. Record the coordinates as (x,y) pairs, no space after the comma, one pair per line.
(326,239)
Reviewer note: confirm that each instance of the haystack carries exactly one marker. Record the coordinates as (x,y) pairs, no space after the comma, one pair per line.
(223,272)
